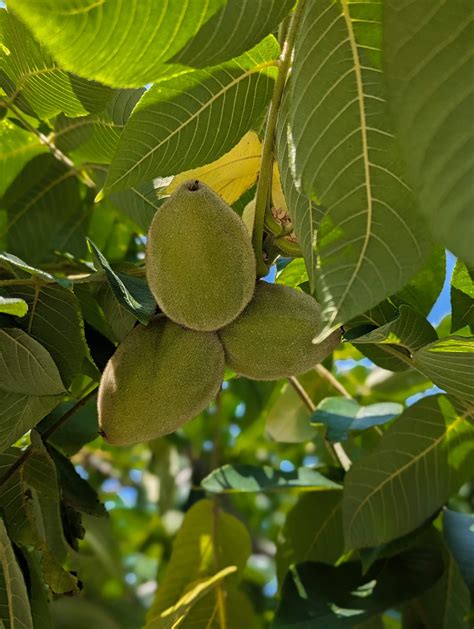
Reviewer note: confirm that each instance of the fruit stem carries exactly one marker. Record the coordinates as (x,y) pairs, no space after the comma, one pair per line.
(266,162)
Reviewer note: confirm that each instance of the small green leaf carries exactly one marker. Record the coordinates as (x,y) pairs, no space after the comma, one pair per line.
(449,363)
(428,65)
(13,306)
(131,292)
(341,416)
(14,604)
(252,478)
(293,274)
(167,132)
(421,460)
(19,268)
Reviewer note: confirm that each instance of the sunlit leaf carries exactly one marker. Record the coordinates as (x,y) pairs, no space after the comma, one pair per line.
(462,297)
(13,306)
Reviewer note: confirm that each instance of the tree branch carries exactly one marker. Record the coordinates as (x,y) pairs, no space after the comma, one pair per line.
(335,448)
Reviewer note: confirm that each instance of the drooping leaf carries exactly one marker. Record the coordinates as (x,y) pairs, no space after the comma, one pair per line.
(15,608)
(252,478)
(13,306)
(33,75)
(312,531)
(418,463)
(315,594)
(462,297)
(208,541)
(55,321)
(39,602)
(342,415)
(94,138)
(458,529)
(26,366)
(168,130)
(232,174)
(343,155)
(20,268)
(449,363)
(235,28)
(41,202)
(428,64)
(131,292)
(127,57)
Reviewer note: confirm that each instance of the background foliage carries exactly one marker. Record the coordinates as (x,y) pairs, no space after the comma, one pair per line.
(342,498)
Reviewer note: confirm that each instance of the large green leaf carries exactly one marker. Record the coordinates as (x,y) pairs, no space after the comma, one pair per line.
(428,63)
(33,75)
(15,612)
(26,366)
(235,28)
(17,148)
(94,138)
(419,462)
(131,40)
(370,240)
(177,125)
(19,412)
(55,320)
(252,478)
(208,541)
(462,297)
(449,363)
(312,531)
(41,203)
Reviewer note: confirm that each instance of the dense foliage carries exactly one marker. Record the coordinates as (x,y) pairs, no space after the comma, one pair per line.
(342,133)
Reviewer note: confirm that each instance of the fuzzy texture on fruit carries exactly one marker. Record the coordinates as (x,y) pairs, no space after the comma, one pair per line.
(160,377)
(273,336)
(200,264)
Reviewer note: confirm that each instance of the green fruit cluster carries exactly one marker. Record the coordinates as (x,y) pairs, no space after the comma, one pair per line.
(200,267)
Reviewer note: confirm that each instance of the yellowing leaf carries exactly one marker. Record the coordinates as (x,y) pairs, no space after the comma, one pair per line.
(232,174)
(278,198)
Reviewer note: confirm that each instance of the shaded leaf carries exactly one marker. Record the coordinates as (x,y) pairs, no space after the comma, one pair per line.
(131,292)
(458,529)
(20,268)
(462,297)
(315,594)
(418,463)
(428,65)
(141,202)
(14,605)
(235,28)
(40,203)
(26,366)
(341,416)
(55,320)
(312,531)
(344,155)
(252,478)
(168,130)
